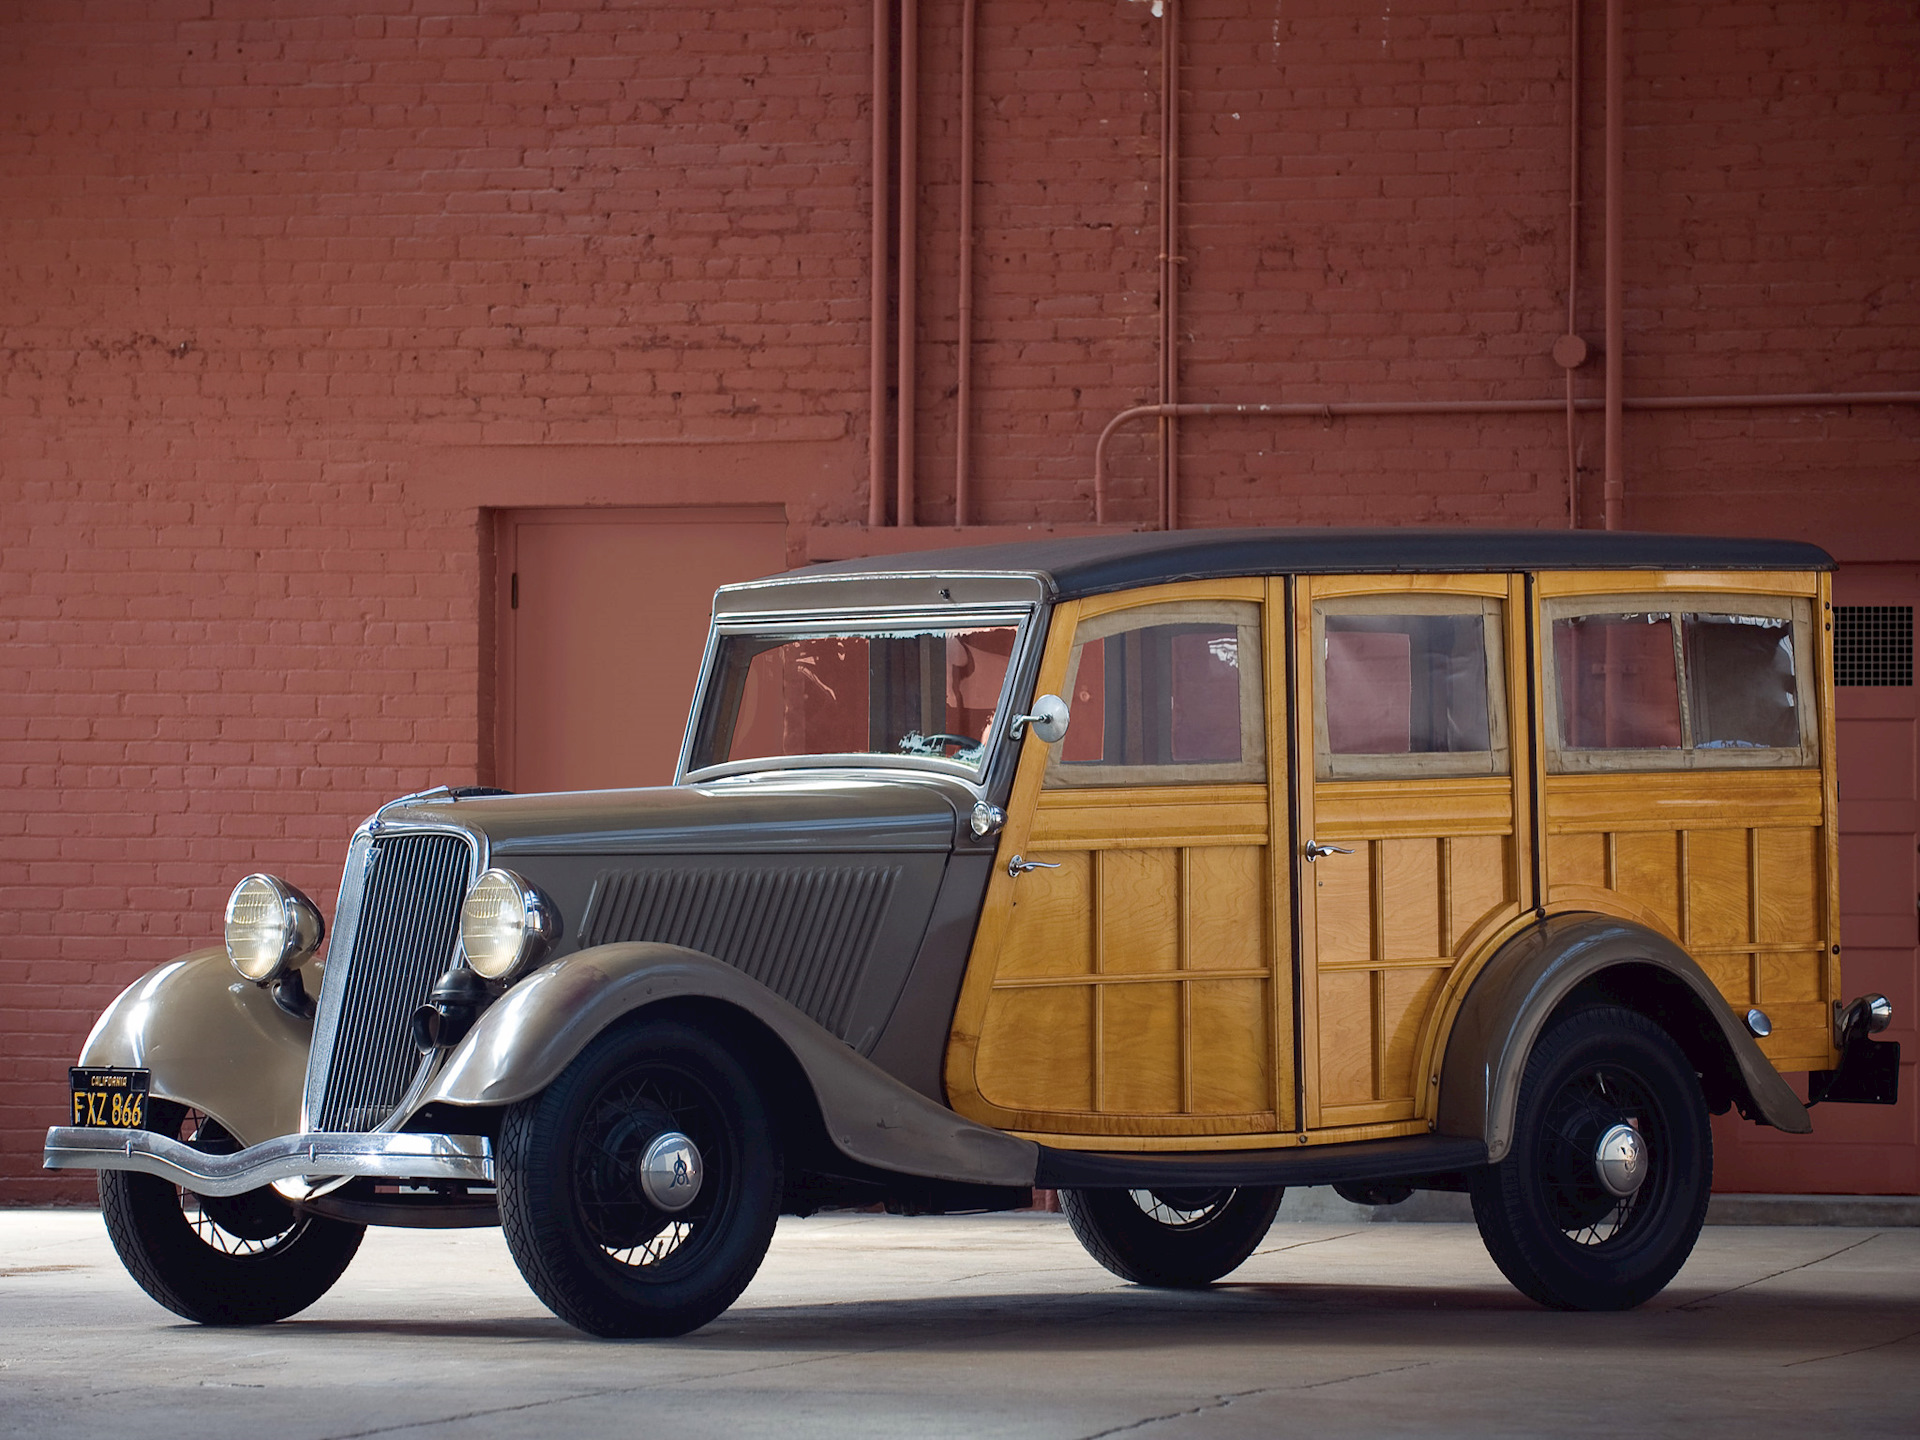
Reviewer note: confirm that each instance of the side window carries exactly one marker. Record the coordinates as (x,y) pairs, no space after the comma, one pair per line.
(1678,682)
(1164,695)
(1408,686)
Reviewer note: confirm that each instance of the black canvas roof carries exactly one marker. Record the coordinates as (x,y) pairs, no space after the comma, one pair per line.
(1098,564)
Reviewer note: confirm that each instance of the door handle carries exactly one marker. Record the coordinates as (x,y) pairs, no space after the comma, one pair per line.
(1313,850)
(1016,867)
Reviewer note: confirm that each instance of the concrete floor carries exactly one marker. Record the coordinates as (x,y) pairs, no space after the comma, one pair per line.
(990,1326)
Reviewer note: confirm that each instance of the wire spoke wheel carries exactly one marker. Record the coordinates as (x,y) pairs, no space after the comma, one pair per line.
(244,1259)
(1599,1201)
(1171,1237)
(639,1191)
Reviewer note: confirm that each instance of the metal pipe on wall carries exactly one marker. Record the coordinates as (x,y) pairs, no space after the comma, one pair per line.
(963,398)
(1614,490)
(905,353)
(1327,410)
(1169,264)
(1577,352)
(877,272)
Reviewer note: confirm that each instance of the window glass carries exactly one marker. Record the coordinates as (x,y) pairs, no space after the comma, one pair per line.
(1619,688)
(929,692)
(1683,682)
(1408,686)
(1163,694)
(1741,687)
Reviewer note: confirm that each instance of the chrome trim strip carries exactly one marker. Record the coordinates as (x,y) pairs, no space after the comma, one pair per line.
(394,1157)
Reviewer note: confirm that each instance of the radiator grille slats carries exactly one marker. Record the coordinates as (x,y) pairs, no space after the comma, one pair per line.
(407,927)
(806,933)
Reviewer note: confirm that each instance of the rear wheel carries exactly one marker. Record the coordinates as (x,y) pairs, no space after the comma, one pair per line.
(220,1260)
(1171,1237)
(639,1191)
(1598,1203)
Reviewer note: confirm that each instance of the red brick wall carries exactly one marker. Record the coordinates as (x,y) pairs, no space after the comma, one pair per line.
(290,291)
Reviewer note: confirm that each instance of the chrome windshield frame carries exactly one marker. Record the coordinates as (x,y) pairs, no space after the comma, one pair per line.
(1029,633)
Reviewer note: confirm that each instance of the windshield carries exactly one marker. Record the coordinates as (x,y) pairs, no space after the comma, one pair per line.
(922,690)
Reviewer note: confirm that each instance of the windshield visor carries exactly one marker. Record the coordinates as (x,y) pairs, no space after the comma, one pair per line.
(931,692)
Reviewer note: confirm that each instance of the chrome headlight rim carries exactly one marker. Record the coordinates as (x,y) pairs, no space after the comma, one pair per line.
(302,928)
(501,948)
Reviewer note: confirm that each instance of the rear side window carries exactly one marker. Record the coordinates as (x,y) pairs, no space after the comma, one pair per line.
(1162,695)
(1408,686)
(1678,682)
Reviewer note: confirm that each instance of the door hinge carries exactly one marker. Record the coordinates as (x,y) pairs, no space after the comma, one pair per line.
(513,586)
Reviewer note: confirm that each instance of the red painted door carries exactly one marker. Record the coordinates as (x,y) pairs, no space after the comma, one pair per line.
(1863,1149)
(602,619)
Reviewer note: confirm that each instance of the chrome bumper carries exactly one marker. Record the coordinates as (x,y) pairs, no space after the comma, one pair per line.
(291,1157)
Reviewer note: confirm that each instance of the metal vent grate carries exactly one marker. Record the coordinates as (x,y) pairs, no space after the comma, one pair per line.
(1873,645)
(804,933)
(405,935)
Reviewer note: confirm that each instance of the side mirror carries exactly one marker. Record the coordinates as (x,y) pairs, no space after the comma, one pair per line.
(1049,720)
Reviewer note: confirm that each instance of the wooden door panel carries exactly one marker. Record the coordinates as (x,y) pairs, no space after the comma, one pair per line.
(1433,869)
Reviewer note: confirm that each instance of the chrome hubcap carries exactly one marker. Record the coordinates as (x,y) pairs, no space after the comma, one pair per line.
(670,1173)
(1620,1161)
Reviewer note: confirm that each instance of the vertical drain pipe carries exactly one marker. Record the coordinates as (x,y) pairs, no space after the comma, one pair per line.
(877,277)
(1574,352)
(1614,491)
(904,350)
(1169,263)
(963,400)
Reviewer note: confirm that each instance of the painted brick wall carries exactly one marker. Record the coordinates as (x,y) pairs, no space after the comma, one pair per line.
(290,291)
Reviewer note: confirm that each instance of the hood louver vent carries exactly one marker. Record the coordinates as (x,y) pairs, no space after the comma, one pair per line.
(804,933)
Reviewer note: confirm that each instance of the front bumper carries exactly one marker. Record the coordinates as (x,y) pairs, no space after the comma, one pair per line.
(312,1158)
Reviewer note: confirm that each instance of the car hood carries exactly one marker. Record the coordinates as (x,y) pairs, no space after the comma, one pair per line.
(759,814)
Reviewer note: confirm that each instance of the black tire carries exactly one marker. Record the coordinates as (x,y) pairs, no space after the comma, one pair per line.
(220,1260)
(1171,1238)
(583,1233)
(1549,1224)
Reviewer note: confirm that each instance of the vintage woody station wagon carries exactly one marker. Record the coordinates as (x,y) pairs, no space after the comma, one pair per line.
(1164,870)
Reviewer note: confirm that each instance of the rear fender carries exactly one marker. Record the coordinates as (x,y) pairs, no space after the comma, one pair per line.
(525,1039)
(1566,958)
(213,1041)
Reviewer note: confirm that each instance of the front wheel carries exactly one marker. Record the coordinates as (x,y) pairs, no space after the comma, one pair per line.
(220,1260)
(1600,1199)
(1174,1238)
(639,1191)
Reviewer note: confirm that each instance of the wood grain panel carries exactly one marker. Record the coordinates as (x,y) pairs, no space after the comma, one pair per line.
(1577,860)
(1406,996)
(1018,1074)
(1647,868)
(1789,889)
(1346,1037)
(1140,1070)
(1231,1064)
(1642,582)
(1139,910)
(1343,905)
(1053,930)
(1786,978)
(1717,894)
(1141,817)
(1409,899)
(1459,806)
(1226,911)
(1682,800)
(1480,882)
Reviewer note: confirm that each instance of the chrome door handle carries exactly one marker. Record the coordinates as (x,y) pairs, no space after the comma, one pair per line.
(1017,867)
(1313,850)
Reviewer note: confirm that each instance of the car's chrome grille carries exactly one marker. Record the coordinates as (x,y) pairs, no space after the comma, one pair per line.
(401,938)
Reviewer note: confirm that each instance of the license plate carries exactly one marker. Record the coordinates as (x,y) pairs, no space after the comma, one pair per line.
(109,1096)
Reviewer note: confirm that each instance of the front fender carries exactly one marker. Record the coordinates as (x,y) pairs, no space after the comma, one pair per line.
(1512,998)
(524,1040)
(213,1041)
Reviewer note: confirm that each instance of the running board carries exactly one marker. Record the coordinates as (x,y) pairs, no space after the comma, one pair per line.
(1405,1159)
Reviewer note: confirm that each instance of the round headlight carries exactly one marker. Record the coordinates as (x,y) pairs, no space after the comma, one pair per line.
(271,928)
(505,925)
